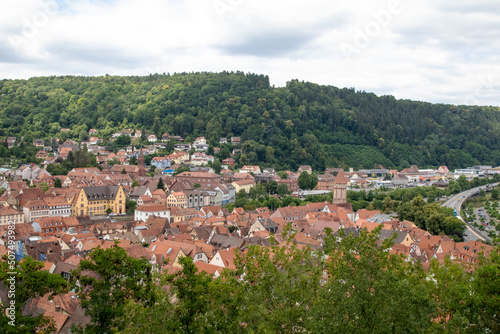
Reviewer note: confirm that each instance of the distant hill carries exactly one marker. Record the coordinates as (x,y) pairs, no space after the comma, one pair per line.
(302,123)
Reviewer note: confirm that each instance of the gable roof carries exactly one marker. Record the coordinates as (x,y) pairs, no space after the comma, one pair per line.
(101,192)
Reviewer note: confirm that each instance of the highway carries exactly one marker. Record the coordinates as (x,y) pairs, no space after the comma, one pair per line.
(455,202)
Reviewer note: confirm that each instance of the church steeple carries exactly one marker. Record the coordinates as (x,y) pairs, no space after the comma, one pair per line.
(141,163)
(340,189)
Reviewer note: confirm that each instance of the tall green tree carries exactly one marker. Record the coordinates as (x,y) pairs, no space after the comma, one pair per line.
(57,183)
(366,286)
(115,280)
(30,281)
(307,181)
(160,184)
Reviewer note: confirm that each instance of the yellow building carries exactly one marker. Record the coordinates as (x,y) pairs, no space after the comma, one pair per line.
(178,199)
(245,184)
(95,201)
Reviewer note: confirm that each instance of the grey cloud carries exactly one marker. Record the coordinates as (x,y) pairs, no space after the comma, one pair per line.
(103,55)
(269,44)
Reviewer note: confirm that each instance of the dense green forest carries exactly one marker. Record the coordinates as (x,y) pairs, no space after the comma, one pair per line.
(302,123)
(351,286)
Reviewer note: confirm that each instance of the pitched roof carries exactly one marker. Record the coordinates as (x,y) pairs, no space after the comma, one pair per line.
(228,256)
(101,192)
(152,208)
(340,178)
(210,269)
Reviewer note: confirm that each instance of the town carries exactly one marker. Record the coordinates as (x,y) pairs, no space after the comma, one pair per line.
(185,204)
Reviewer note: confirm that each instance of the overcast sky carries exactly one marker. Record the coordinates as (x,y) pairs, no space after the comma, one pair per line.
(429,50)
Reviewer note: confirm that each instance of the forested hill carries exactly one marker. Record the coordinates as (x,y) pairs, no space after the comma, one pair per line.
(302,123)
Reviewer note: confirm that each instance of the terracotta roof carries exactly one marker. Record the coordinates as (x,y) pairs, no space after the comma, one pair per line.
(340,178)
(210,269)
(152,208)
(7,211)
(228,256)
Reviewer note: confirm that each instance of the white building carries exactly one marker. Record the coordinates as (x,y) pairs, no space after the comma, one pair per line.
(58,206)
(145,211)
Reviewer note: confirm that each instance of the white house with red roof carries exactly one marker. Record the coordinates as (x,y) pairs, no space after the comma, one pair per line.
(145,211)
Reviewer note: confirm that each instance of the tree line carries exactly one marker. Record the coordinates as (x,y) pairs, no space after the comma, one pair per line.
(284,127)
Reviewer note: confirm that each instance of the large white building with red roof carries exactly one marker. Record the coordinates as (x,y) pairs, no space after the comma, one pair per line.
(145,211)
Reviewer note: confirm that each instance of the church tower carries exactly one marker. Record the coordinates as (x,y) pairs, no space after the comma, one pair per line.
(340,189)
(141,164)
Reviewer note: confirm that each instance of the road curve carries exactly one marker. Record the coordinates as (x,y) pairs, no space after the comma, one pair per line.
(455,202)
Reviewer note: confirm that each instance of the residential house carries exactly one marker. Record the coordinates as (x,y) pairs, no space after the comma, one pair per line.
(200,158)
(228,193)
(160,163)
(225,258)
(263,224)
(229,161)
(182,147)
(250,169)
(148,210)
(305,168)
(243,185)
(290,213)
(49,226)
(325,182)
(10,142)
(34,210)
(137,192)
(178,199)
(119,179)
(10,215)
(58,206)
(235,141)
(200,144)
(443,170)
(165,252)
(242,177)
(263,177)
(215,197)
(197,198)
(93,140)
(41,155)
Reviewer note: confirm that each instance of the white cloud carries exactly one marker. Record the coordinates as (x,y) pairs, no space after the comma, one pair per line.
(436,51)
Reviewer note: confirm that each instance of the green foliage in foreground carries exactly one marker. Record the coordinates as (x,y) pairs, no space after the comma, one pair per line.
(30,281)
(352,286)
(355,286)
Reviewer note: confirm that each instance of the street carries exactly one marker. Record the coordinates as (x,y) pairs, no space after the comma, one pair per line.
(455,202)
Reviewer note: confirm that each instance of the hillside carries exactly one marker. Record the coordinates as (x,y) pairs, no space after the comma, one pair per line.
(302,123)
